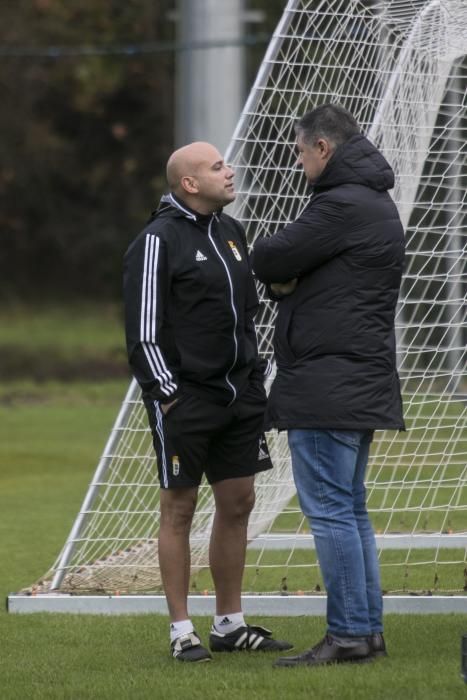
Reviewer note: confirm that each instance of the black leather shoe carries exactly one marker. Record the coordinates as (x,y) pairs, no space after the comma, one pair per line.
(377,644)
(331,651)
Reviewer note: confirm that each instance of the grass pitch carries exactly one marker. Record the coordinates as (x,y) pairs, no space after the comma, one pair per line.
(50,439)
(51,436)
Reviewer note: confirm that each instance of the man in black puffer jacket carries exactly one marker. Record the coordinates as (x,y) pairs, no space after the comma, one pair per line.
(336,272)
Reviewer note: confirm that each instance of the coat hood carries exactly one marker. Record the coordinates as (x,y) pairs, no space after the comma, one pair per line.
(357,162)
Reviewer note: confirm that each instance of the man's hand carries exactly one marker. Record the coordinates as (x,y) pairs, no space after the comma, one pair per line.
(283,289)
(165,407)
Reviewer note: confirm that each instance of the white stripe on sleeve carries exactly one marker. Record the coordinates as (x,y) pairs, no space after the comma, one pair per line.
(148,319)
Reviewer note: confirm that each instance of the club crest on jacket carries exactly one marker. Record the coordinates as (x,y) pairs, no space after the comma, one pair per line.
(234,248)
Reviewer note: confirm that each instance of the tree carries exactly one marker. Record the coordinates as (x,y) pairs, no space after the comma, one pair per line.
(85,137)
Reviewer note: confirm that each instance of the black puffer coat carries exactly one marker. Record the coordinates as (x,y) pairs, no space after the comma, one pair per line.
(334,339)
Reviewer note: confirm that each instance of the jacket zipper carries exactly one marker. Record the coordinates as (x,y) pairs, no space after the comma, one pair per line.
(233,309)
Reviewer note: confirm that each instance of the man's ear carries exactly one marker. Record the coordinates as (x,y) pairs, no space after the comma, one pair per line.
(189,184)
(324,148)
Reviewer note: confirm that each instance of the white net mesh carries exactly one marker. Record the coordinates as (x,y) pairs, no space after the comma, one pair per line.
(400,66)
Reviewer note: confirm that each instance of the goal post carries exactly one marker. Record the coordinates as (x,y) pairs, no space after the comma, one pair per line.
(401,67)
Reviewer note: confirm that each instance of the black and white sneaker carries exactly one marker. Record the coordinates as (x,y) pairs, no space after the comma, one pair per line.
(246,638)
(188,647)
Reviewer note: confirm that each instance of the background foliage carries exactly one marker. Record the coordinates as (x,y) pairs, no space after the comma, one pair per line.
(87,123)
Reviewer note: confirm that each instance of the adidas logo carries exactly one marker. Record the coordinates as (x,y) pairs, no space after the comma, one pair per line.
(225,621)
(199,256)
(263,449)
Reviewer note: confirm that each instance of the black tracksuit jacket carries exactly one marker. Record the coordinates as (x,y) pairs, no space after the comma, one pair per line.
(334,339)
(190,301)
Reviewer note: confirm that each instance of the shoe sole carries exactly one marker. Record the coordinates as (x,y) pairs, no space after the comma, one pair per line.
(261,651)
(365,660)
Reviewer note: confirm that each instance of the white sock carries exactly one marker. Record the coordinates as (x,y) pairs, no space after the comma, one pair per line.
(180,627)
(229,622)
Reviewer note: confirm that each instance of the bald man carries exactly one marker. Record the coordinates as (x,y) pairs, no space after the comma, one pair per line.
(190,302)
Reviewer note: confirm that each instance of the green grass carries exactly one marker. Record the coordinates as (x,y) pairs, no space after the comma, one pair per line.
(53,656)
(434,426)
(69,328)
(51,436)
(64,343)
(50,440)
(90,410)
(402,572)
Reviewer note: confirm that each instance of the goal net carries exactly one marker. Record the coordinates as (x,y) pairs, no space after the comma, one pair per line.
(400,66)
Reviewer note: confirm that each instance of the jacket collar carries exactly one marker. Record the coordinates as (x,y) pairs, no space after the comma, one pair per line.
(171,200)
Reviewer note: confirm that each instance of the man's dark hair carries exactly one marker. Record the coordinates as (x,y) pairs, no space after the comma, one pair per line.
(328,121)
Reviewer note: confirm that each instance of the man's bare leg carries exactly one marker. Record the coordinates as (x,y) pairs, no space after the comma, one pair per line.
(177,509)
(234,500)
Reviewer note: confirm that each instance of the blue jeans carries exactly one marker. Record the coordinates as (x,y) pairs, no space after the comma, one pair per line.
(329,470)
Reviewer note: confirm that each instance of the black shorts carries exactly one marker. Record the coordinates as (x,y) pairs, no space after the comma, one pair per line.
(197,437)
